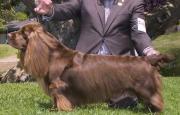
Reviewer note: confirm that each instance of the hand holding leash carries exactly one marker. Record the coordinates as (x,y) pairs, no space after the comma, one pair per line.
(44,7)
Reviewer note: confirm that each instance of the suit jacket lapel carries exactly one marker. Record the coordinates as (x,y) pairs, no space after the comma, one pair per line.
(101,12)
(115,9)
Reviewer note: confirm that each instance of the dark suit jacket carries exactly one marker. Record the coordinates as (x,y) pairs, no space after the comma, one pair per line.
(120,32)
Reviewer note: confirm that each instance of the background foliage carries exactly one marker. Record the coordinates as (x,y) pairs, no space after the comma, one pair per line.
(11,10)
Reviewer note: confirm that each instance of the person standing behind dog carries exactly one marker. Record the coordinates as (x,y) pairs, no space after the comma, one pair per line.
(108,27)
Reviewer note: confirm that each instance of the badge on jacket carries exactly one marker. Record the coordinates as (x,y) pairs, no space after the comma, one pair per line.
(141,25)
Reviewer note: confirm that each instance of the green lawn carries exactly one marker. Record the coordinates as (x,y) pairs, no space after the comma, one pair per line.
(28,99)
(6,50)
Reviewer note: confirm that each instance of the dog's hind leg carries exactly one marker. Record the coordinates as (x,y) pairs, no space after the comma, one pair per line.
(156,103)
(150,92)
(156,100)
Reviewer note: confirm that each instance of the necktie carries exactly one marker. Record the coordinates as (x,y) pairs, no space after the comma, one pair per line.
(107,5)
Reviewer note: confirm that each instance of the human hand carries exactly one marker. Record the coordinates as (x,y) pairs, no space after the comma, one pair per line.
(43,7)
(150,51)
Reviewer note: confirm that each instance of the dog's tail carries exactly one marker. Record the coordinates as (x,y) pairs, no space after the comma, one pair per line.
(160,60)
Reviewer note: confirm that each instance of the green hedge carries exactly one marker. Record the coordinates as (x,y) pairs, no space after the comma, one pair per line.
(21,16)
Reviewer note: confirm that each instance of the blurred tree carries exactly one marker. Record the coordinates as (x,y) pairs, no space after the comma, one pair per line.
(6,11)
(11,10)
(161,18)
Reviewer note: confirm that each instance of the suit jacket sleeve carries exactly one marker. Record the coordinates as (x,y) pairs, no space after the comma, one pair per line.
(67,10)
(138,30)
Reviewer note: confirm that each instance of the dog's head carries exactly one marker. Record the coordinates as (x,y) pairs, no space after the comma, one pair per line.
(19,39)
(33,42)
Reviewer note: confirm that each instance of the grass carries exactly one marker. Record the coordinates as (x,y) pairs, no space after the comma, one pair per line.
(28,99)
(6,50)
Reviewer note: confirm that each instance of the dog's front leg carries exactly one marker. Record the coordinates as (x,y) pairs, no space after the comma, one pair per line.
(57,86)
(60,100)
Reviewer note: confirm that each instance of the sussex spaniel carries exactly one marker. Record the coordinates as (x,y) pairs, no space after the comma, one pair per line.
(73,78)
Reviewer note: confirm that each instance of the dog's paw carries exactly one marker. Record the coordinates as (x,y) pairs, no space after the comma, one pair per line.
(63,104)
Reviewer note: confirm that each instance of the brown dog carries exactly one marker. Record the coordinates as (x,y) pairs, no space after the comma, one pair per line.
(73,78)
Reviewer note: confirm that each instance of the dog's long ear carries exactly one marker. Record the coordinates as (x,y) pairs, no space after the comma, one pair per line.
(37,53)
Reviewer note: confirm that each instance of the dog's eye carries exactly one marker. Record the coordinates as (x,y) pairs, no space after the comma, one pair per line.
(23,34)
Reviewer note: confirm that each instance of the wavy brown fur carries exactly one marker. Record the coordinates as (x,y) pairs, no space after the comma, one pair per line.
(73,78)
